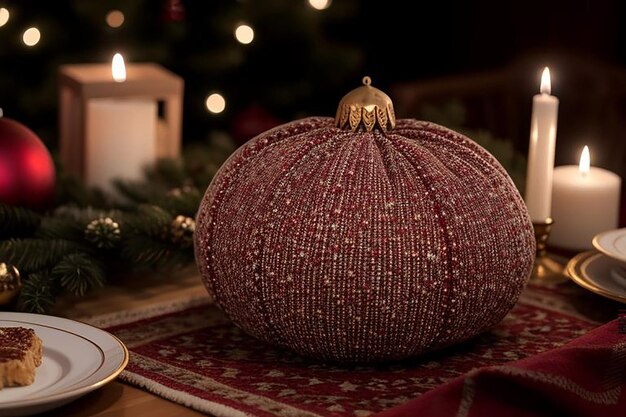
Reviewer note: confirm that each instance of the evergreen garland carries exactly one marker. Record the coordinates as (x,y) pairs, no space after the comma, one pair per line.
(89,236)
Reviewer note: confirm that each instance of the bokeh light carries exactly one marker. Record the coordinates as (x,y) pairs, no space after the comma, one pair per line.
(4,16)
(31,36)
(244,34)
(319,4)
(215,103)
(115,18)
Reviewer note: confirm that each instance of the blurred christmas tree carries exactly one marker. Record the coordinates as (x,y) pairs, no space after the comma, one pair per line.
(293,66)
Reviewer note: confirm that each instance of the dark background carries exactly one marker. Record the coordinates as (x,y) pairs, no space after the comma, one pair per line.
(303,60)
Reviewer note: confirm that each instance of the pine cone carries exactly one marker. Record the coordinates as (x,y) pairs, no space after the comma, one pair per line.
(103,232)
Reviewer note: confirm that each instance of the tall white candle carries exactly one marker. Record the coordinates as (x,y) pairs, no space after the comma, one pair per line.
(541,151)
(120,139)
(585,202)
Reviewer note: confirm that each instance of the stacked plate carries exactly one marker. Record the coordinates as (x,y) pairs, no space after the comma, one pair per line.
(603,271)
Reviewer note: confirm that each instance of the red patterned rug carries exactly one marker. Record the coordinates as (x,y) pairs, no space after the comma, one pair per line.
(193,355)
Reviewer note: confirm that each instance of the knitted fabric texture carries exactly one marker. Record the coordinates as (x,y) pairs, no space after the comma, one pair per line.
(363,246)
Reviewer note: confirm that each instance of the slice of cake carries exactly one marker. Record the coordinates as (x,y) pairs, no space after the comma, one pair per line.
(20,355)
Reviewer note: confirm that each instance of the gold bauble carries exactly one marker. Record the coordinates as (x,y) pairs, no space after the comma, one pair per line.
(10,283)
(182,229)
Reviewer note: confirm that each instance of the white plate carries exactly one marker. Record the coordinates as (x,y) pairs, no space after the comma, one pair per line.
(612,243)
(600,274)
(77,359)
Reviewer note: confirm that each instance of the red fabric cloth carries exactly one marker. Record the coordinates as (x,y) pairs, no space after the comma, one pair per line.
(586,377)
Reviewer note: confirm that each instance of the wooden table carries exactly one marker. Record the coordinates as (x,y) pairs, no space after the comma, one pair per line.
(117,399)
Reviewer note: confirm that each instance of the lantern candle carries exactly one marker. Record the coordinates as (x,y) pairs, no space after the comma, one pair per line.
(541,151)
(585,202)
(110,125)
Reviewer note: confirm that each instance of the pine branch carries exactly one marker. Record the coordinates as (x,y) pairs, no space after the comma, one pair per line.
(165,175)
(79,273)
(144,252)
(202,161)
(169,172)
(60,228)
(37,295)
(17,221)
(185,202)
(71,190)
(149,220)
(83,215)
(147,241)
(137,192)
(30,255)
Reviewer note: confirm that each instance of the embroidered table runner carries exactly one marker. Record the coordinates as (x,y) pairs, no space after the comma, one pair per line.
(190,353)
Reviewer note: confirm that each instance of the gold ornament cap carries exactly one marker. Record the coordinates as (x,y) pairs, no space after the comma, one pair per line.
(366,108)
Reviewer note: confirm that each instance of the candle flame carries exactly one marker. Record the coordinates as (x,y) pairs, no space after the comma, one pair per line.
(585,161)
(118,69)
(546,87)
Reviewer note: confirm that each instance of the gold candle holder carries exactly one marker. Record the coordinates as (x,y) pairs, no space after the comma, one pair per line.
(545,270)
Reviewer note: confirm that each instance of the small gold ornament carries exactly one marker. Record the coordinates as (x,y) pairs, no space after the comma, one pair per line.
(182,229)
(103,232)
(10,283)
(365,107)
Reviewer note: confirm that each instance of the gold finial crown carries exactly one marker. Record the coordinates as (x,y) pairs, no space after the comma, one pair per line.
(366,107)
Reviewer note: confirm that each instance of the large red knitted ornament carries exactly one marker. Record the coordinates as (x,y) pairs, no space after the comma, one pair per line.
(362,239)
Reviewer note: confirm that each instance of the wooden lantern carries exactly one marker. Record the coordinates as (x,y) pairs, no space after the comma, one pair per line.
(81,86)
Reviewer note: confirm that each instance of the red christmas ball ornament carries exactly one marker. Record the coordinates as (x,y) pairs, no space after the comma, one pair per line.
(27,174)
(251,122)
(363,239)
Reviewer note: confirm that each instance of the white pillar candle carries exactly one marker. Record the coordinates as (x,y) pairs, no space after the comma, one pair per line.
(541,151)
(585,202)
(120,140)
(120,137)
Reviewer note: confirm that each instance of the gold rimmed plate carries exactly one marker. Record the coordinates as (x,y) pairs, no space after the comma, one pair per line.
(612,243)
(600,274)
(77,358)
